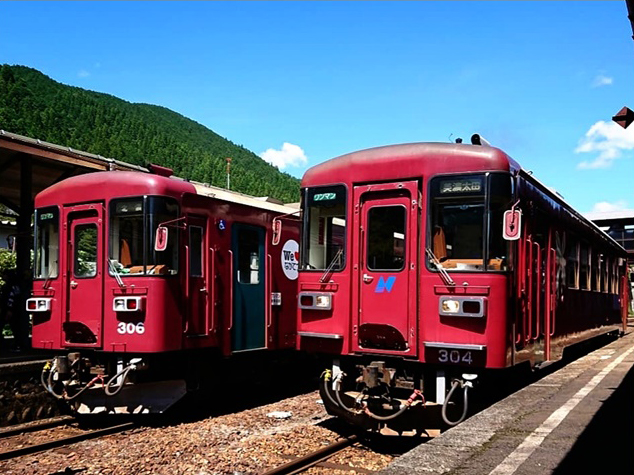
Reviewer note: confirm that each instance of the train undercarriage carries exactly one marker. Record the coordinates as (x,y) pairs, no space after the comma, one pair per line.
(93,383)
(384,395)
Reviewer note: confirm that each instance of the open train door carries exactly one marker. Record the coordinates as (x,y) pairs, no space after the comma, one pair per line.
(537,289)
(248,331)
(83,230)
(385,243)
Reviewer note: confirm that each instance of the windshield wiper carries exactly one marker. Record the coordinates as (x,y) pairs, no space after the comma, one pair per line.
(330,267)
(114,271)
(49,277)
(444,275)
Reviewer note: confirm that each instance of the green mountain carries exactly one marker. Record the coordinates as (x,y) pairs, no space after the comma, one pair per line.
(34,105)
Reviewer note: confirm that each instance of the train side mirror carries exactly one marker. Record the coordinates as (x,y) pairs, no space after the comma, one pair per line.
(160,242)
(277,231)
(512,227)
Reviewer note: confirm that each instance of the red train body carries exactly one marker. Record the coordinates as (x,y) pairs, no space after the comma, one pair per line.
(135,320)
(416,283)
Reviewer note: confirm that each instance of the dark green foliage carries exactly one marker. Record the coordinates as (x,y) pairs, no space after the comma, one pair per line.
(34,105)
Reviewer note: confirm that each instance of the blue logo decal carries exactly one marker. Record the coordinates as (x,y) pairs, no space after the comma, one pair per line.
(383,284)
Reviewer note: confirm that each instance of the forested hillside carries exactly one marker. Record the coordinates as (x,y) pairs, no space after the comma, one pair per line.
(34,105)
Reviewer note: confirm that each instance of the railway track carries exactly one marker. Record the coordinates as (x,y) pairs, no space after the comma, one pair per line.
(35,426)
(305,462)
(58,442)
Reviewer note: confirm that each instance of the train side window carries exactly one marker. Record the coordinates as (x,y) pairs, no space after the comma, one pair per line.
(615,278)
(195,251)
(595,269)
(604,273)
(572,264)
(584,267)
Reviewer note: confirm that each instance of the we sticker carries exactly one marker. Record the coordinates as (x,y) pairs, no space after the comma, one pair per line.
(290,259)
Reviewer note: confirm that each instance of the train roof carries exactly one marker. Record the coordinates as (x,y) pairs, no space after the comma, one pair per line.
(114,184)
(404,161)
(407,161)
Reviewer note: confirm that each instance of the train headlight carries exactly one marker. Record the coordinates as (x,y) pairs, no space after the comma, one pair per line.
(128,304)
(450,306)
(38,305)
(322,301)
(315,300)
(458,306)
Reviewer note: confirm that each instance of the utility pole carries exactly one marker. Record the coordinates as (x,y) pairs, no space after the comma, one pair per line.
(228,173)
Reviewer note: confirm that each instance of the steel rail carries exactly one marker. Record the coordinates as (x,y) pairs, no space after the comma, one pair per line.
(304,463)
(66,441)
(35,426)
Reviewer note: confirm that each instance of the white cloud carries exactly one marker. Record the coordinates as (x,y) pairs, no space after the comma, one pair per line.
(83,73)
(602,80)
(609,140)
(289,154)
(605,207)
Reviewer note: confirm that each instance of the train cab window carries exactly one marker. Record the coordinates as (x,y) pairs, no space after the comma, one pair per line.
(158,211)
(466,217)
(500,200)
(46,243)
(133,224)
(386,238)
(85,251)
(324,228)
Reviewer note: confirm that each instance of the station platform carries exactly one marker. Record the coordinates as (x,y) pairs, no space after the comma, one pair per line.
(578,419)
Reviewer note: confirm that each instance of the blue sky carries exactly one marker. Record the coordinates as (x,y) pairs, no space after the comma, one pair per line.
(301,82)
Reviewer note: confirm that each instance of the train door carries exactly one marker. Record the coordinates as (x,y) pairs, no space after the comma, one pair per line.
(197,280)
(385,260)
(83,227)
(248,331)
(537,290)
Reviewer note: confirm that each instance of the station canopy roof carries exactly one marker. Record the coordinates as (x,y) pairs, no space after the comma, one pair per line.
(50,163)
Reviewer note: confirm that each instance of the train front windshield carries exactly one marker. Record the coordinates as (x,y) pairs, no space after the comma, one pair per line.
(466,221)
(324,228)
(133,224)
(46,243)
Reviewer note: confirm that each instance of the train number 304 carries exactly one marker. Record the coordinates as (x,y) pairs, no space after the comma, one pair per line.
(131,328)
(455,356)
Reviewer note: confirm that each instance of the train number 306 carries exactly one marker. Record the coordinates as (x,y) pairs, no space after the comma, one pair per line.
(131,328)
(455,356)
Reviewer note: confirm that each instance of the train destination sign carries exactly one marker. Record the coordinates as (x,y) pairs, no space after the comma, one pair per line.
(324,196)
(460,186)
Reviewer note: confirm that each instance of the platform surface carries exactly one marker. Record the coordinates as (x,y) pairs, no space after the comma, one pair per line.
(579,419)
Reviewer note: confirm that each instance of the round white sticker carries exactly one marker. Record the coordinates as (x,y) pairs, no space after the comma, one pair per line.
(290,259)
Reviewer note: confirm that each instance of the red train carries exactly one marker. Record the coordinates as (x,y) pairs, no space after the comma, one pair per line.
(426,266)
(143,280)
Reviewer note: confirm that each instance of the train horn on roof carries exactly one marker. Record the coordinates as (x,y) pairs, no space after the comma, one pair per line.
(477,139)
